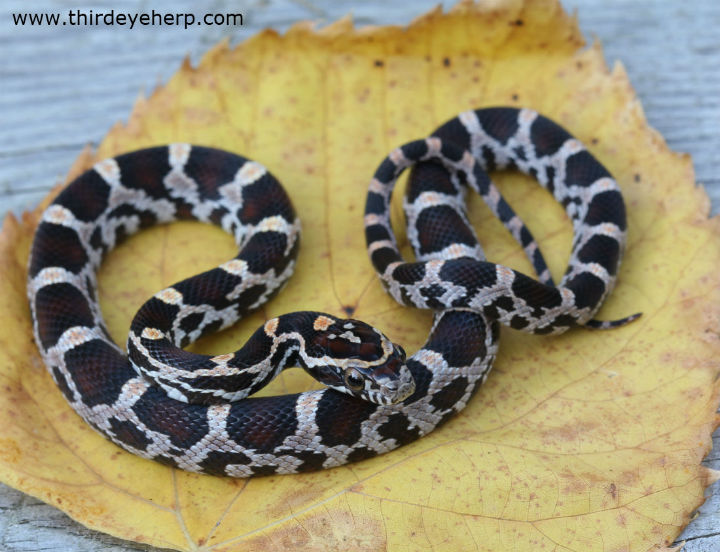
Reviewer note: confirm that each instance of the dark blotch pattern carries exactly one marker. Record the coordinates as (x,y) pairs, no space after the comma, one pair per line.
(499,306)
(415,150)
(454,131)
(518,322)
(129,434)
(550,176)
(422,377)
(310,460)
(89,197)
(96,241)
(209,288)
(374,204)
(459,337)
(361,453)
(470,274)
(376,232)
(382,257)
(166,460)
(192,321)
(602,250)
(154,314)
(547,136)
(211,168)
(216,462)
(60,307)
(520,153)
(263,251)
(184,424)
(265,198)
(91,365)
(337,428)
(588,289)
(431,294)
(397,428)
(582,169)
(441,226)
(145,170)
(262,423)
(429,176)
(535,294)
(487,158)
(57,245)
(497,123)
(449,395)
(607,207)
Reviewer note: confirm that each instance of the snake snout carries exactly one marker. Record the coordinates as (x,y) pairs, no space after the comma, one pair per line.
(400,389)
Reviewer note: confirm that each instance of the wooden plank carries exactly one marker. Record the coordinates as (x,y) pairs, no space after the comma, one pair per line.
(63,87)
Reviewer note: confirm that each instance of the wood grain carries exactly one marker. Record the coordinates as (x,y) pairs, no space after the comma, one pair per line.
(61,88)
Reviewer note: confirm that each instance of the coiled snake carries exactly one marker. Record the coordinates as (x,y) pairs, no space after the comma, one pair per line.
(193,411)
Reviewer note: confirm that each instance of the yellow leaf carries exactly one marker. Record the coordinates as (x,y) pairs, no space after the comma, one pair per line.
(586,441)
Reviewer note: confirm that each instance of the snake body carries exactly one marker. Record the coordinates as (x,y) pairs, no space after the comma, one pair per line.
(469,146)
(193,411)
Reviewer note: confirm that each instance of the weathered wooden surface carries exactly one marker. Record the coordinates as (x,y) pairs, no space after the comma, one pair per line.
(63,87)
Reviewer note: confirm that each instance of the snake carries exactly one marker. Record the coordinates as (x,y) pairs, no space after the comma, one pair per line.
(196,412)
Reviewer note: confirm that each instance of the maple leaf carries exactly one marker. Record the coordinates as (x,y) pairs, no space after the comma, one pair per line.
(586,441)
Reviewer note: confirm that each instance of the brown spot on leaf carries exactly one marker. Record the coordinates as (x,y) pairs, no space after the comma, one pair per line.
(348,530)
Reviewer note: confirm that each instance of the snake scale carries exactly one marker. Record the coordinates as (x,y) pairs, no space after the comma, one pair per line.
(193,411)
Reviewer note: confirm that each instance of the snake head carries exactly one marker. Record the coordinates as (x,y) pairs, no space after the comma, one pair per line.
(353,357)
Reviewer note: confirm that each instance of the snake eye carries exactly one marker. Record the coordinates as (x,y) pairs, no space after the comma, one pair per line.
(353,380)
